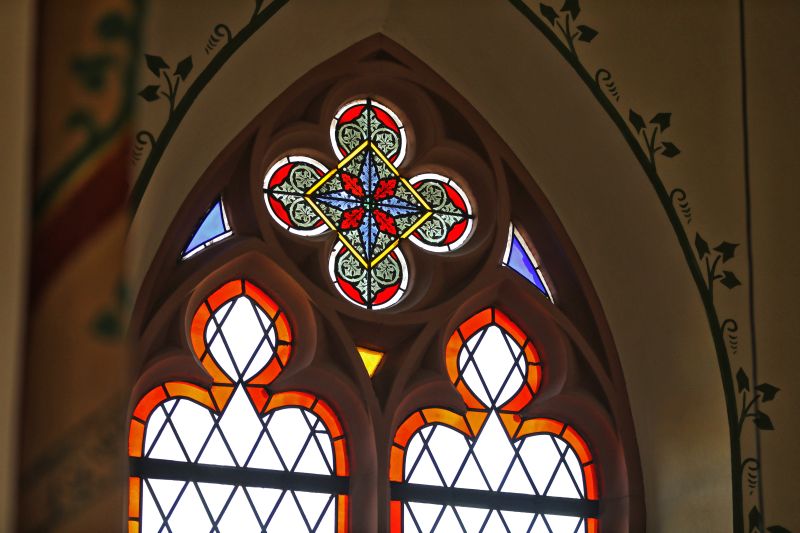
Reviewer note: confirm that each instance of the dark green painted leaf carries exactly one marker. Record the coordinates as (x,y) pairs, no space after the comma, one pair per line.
(548,12)
(150,93)
(636,120)
(727,249)
(184,67)
(729,279)
(258,5)
(778,529)
(767,391)
(755,519)
(107,325)
(700,245)
(155,63)
(669,149)
(662,119)
(91,70)
(763,421)
(742,381)
(112,26)
(572,7)
(586,34)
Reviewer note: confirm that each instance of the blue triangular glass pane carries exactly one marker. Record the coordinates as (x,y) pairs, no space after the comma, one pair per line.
(520,261)
(211,227)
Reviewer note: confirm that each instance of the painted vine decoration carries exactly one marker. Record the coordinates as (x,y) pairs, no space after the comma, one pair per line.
(169,87)
(724,252)
(651,134)
(711,258)
(221,31)
(678,196)
(646,141)
(563,19)
(225,43)
(763,392)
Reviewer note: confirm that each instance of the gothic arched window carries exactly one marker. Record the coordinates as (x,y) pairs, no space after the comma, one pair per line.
(359,335)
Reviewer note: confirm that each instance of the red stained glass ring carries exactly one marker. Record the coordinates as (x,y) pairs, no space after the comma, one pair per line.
(285,185)
(366,119)
(375,288)
(450,225)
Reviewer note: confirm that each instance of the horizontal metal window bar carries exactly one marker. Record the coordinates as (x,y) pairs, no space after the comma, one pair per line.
(501,501)
(231,475)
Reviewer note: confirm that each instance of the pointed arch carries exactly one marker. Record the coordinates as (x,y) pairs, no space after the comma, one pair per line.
(440,123)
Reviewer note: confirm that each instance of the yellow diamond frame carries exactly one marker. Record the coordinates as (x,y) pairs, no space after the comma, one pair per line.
(368,145)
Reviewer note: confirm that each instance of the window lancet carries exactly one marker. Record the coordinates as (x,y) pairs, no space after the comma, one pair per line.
(490,469)
(235,455)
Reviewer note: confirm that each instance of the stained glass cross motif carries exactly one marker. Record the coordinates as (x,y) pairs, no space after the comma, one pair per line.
(368,204)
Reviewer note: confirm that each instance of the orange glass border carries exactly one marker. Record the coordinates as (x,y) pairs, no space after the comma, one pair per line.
(190,391)
(574,440)
(469,424)
(324,411)
(170,390)
(414,423)
(218,298)
(134,498)
(480,320)
(516,427)
(396,516)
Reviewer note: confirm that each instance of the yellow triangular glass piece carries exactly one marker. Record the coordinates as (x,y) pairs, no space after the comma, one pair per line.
(475,419)
(371,359)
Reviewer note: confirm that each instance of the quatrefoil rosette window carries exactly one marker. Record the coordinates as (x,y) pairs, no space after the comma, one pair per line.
(236,456)
(490,469)
(368,204)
